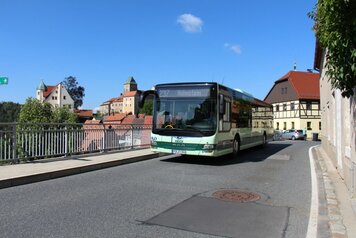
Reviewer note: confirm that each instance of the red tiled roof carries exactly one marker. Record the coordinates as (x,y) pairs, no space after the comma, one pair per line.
(130,94)
(148,120)
(138,121)
(129,119)
(260,103)
(84,113)
(92,122)
(111,100)
(115,117)
(49,90)
(305,84)
(119,99)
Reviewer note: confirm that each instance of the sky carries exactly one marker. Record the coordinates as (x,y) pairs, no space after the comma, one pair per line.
(241,44)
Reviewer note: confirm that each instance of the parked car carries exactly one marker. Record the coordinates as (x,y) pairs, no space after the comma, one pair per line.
(293,135)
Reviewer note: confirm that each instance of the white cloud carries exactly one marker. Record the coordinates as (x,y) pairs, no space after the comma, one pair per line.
(234,48)
(190,23)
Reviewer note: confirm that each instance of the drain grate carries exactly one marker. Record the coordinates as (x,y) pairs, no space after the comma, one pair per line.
(236,196)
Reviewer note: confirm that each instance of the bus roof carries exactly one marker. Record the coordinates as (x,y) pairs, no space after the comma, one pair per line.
(248,95)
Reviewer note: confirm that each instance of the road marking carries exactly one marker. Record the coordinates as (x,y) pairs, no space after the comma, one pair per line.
(314,206)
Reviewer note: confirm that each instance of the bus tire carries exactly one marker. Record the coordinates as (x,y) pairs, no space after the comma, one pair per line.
(236,148)
(264,139)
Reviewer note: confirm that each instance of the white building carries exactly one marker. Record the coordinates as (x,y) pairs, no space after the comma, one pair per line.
(338,116)
(57,96)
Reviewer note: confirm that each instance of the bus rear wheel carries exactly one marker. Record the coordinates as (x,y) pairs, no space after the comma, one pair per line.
(236,149)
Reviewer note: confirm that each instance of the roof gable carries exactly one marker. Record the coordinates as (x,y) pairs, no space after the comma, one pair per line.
(295,85)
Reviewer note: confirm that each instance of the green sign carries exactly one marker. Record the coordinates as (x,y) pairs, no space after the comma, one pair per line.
(4,80)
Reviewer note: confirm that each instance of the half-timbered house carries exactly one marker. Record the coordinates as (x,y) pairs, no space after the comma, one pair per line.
(296,102)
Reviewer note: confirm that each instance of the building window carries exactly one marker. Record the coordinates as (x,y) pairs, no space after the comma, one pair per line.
(64,97)
(69,106)
(284,107)
(292,106)
(319,125)
(284,125)
(292,125)
(309,106)
(277,126)
(309,125)
(277,108)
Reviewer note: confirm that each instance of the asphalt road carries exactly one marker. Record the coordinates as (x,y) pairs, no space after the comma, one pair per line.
(169,197)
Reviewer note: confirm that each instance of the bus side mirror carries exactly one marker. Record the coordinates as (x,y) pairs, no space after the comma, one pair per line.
(143,96)
(221,104)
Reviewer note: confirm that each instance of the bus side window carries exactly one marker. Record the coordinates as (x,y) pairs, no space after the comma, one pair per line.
(225,117)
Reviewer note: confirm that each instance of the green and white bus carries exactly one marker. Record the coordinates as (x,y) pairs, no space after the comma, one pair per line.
(207,119)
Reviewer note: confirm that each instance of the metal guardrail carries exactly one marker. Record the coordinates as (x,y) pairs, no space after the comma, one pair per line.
(37,141)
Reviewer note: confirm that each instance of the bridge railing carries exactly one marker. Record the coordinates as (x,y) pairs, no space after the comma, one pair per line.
(38,141)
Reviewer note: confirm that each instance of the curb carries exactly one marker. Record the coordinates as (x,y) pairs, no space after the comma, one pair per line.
(335,219)
(318,225)
(6,183)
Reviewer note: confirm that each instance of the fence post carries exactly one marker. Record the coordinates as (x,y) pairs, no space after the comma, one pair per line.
(104,139)
(66,141)
(14,144)
(132,139)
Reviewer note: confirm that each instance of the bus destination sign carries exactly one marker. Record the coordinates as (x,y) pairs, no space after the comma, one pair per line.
(187,92)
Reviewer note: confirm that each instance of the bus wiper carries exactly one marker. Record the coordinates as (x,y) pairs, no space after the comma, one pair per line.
(193,129)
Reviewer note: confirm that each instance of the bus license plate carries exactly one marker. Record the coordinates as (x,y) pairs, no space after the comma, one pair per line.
(179,152)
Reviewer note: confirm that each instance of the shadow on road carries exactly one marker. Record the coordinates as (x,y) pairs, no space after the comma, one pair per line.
(255,154)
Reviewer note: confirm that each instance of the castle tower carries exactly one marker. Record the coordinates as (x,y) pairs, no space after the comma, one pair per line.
(39,92)
(130,85)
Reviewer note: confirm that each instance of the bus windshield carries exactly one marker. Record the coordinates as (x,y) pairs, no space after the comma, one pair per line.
(188,111)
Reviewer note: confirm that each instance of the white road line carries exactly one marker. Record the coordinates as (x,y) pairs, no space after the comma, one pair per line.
(314,206)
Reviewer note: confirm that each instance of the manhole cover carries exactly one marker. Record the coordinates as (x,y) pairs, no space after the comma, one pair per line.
(236,196)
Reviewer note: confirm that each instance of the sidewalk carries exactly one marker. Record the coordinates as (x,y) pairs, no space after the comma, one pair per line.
(341,209)
(40,170)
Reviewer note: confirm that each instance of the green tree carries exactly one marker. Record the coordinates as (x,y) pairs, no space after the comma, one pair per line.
(9,111)
(147,107)
(34,111)
(76,92)
(335,28)
(63,115)
(98,115)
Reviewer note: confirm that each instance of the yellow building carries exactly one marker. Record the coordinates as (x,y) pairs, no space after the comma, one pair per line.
(296,102)
(127,102)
